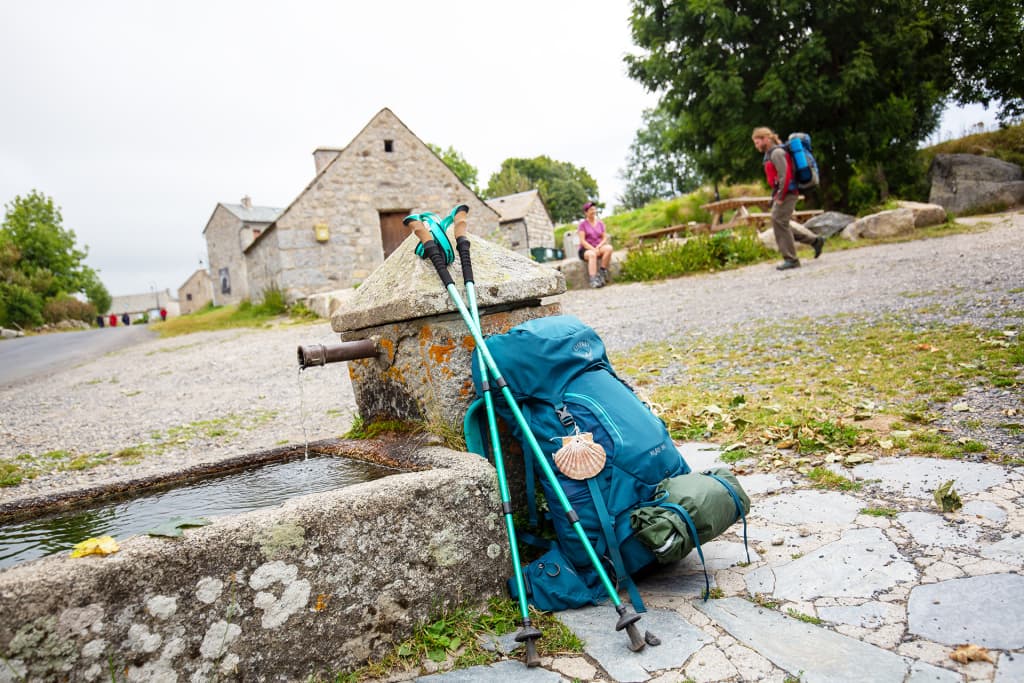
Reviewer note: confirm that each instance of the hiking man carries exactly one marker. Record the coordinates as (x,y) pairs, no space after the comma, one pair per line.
(778,170)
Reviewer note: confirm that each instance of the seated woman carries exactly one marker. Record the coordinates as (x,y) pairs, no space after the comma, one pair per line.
(595,248)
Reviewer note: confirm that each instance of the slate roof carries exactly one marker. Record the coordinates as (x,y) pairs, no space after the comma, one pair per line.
(254,214)
(513,207)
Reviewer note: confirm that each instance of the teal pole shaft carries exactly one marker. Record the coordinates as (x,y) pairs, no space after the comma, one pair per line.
(534,446)
(499,466)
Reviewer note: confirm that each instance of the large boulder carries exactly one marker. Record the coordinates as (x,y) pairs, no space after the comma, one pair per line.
(883,224)
(767,237)
(829,223)
(925,214)
(964,183)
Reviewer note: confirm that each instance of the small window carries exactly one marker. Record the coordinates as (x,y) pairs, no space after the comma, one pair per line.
(389,146)
(188,297)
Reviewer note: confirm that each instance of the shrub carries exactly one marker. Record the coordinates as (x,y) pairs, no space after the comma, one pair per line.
(68,308)
(696,254)
(273,303)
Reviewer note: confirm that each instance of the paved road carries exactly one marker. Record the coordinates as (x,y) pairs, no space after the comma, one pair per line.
(28,358)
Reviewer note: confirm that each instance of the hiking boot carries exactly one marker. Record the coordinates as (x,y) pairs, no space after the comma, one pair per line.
(818,245)
(605,277)
(788,264)
(595,282)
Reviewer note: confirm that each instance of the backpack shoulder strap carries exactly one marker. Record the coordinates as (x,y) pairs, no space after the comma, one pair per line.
(608,529)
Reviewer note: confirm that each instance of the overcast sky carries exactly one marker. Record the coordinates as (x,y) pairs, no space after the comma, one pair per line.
(138,117)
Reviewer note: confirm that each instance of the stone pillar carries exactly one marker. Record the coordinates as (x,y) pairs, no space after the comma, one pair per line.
(423,370)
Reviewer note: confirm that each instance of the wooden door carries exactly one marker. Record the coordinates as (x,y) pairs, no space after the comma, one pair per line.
(392,232)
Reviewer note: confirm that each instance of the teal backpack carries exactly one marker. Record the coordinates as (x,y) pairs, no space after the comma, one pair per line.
(559,374)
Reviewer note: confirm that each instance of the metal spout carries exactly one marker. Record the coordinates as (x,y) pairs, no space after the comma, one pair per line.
(322,354)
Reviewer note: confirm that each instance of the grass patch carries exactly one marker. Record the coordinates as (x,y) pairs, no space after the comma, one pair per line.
(362,429)
(880,512)
(809,393)
(244,314)
(827,479)
(12,474)
(800,616)
(453,640)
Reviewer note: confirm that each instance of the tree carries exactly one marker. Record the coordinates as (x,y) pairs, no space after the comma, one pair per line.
(466,172)
(40,261)
(867,78)
(654,170)
(987,41)
(564,188)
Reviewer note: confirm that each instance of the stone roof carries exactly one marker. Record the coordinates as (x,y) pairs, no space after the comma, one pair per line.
(254,214)
(513,207)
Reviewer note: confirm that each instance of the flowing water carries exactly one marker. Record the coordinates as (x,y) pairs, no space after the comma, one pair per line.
(259,487)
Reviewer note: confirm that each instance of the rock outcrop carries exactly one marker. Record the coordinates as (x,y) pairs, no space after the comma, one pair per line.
(883,224)
(963,183)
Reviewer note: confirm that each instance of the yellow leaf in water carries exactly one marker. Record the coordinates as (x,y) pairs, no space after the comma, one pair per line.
(970,653)
(102,545)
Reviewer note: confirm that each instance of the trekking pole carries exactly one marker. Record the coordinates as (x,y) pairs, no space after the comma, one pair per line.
(430,249)
(528,634)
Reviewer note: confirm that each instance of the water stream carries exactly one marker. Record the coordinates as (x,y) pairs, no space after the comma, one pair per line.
(252,489)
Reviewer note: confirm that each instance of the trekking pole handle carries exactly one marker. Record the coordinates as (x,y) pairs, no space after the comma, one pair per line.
(461,220)
(421,231)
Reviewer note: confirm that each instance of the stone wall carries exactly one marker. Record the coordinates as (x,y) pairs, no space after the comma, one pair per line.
(318,585)
(347,198)
(540,229)
(263,265)
(224,251)
(515,237)
(196,292)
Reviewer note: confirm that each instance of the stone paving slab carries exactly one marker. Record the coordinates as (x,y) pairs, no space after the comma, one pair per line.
(860,564)
(984,610)
(935,530)
(500,672)
(1011,668)
(919,477)
(814,654)
(596,626)
(807,507)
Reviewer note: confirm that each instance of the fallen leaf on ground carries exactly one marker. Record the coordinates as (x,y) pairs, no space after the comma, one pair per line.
(102,545)
(947,498)
(970,653)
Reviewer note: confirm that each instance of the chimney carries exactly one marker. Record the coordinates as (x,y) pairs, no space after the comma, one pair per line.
(247,202)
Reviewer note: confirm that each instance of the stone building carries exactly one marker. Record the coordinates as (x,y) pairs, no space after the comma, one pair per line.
(230,230)
(135,305)
(196,292)
(525,221)
(348,219)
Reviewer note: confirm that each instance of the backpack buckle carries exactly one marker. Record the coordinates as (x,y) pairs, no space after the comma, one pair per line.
(565,417)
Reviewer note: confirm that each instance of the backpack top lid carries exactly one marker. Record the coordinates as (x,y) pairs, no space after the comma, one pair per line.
(540,357)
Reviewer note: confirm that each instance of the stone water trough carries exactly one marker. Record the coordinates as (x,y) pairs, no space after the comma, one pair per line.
(323,582)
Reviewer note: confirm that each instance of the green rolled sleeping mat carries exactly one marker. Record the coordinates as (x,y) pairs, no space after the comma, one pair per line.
(711,501)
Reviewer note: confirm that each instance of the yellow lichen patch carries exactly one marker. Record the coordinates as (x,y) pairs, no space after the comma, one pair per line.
(321,602)
(388,347)
(441,353)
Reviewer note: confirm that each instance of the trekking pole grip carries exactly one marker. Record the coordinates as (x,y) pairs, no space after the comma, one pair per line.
(460,220)
(421,231)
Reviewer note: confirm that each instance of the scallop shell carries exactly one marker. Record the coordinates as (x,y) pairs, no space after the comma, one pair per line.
(579,457)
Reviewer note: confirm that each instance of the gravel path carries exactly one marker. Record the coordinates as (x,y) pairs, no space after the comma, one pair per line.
(247,381)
